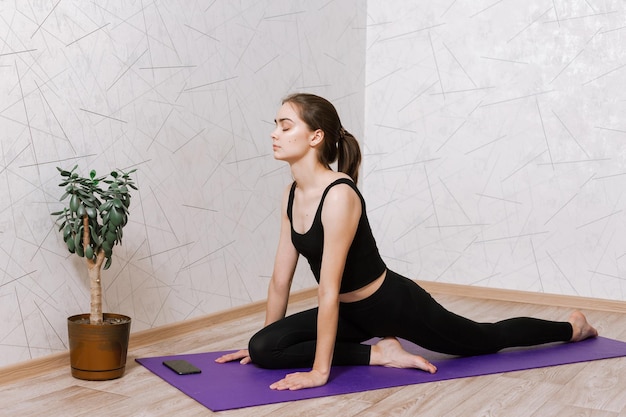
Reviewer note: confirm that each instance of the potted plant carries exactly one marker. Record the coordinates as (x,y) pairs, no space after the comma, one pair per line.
(91,224)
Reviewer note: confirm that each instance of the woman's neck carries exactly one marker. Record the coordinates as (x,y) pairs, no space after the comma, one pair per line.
(309,175)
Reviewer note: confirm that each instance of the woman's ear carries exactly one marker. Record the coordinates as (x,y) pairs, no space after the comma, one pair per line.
(317,138)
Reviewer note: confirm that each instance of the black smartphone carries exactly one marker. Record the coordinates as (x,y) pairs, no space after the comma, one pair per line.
(181,367)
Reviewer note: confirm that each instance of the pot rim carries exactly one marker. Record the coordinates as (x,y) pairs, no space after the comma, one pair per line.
(77,317)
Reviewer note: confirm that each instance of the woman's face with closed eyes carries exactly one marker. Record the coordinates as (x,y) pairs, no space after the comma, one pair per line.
(291,138)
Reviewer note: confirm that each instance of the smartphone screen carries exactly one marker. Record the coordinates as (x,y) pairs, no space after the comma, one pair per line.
(181,367)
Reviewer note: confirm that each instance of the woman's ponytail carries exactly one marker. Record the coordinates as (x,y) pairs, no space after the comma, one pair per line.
(349,155)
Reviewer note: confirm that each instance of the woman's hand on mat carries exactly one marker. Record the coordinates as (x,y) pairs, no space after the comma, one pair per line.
(243,356)
(300,380)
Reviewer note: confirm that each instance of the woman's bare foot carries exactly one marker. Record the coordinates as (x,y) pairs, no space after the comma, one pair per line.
(390,353)
(581,329)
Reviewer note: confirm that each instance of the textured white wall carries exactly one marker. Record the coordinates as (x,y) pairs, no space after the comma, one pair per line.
(184,91)
(495,142)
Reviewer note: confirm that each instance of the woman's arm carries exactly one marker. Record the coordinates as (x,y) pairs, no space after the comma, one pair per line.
(280,284)
(340,217)
(284,268)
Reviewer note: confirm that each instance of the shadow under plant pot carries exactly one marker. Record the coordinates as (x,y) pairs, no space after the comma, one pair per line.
(98,351)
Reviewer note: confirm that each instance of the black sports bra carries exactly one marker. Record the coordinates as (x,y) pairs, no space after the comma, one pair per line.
(363,263)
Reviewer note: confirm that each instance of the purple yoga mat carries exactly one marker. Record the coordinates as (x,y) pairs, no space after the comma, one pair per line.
(228,386)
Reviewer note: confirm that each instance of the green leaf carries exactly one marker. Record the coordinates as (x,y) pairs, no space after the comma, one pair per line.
(63,172)
(108,262)
(110,237)
(81,212)
(107,248)
(77,240)
(94,236)
(105,206)
(70,245)
(92,174)
(74,203)
(67,231)
(89,252)
(116,217)
(91,212)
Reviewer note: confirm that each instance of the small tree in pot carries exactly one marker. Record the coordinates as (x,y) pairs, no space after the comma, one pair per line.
(92,224)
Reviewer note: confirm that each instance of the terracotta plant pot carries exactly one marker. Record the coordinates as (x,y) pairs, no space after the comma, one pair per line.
(98,351)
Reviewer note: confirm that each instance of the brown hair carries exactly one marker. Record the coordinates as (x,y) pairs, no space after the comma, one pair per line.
(338,144)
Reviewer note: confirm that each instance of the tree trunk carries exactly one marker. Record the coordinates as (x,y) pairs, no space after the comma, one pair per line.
(94,268)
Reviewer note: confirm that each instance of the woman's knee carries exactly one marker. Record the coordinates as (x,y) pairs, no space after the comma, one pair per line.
(260,348)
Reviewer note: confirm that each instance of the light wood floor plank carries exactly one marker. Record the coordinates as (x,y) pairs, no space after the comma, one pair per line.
(556,409)
(604,386)
(434,399)
(66,401)
(505,399)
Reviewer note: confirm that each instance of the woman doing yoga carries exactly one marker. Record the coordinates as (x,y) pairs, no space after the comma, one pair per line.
(324,219)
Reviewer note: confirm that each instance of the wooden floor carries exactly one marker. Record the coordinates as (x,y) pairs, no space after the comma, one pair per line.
(595,389)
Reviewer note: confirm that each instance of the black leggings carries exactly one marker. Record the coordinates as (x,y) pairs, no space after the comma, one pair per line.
(400,308)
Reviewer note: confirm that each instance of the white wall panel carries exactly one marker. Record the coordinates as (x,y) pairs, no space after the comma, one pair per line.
(184,91)
(495,142)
